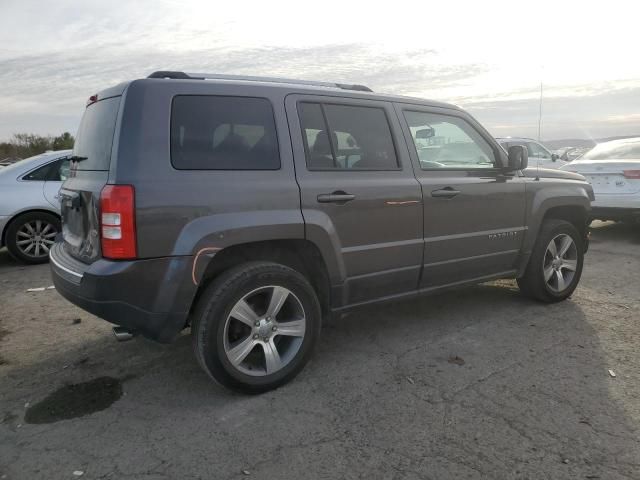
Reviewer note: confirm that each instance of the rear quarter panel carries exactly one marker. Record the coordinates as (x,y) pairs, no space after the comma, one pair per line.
(182,212)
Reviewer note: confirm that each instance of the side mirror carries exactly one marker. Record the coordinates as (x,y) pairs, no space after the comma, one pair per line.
(425,133)
(518,157)
(554,157)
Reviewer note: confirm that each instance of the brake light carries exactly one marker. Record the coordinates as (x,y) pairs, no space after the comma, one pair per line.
(117,222)
(92,99)
(635,174)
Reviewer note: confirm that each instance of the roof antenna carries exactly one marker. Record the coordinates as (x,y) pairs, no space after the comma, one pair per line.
(540,115)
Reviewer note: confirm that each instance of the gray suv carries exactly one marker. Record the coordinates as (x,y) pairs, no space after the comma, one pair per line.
(251,208)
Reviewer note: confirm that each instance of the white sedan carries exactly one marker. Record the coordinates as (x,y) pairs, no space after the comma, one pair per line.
(613,169)
(29,205)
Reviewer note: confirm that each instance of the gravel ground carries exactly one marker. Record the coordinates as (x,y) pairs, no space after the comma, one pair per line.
(475,383)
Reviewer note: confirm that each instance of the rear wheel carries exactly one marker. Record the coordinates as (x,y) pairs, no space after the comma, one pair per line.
(255,326)
(31,235)
(555,265)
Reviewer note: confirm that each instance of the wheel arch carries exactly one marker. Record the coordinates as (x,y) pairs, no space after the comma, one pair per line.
(299,254)
(577,215)
(571,208)
(17,215)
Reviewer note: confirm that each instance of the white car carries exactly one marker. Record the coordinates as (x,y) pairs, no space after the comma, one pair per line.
(613,169)
(539,155)
(29,205)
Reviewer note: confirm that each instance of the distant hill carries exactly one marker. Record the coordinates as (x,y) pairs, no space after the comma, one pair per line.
(580,142)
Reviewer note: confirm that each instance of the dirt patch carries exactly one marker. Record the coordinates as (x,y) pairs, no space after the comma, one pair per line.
(75,400)
(456,360)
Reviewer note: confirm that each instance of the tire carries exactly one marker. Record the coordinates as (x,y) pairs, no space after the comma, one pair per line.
(536,282)
(222,342)
(28,228)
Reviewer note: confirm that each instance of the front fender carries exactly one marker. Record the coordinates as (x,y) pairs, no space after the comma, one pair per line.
(544,195)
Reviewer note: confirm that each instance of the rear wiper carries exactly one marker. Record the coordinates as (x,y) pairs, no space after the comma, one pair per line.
(77,158)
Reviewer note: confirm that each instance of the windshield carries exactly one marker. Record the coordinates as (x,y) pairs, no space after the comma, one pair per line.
(617,150)
(95,135)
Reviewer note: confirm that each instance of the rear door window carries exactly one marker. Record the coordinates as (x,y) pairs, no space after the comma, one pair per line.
(95,135)
(223,133)
(346,137)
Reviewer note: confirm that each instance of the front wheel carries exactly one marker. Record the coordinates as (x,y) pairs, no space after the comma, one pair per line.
(255,326)
(555,265)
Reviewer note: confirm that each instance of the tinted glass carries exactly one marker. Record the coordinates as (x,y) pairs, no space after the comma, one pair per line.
(443,141)
(358,138)
(537,150)
(619,149)
(223,133)
(95,135)
(318,149)
(55,171)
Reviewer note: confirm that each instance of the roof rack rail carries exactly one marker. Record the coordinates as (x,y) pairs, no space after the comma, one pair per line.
(217,76)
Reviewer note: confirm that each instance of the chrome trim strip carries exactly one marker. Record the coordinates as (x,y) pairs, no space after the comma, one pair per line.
(474,234)
(374,246)
(63,268)
(475,257)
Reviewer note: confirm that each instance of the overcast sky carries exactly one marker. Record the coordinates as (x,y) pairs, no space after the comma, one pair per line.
(487,56)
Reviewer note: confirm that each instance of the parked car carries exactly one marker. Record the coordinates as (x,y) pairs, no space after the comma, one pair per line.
(539,155)
(249,209)
(613,169)
(29,205)
(569,154)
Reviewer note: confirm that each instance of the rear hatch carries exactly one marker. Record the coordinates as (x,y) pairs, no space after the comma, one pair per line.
(80,193)
(609,177)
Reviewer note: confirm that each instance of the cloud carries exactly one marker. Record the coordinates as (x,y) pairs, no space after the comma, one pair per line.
(45,87)
(600,113)
(56,85)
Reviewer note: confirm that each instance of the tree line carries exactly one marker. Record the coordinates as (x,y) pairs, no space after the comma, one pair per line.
(24,145)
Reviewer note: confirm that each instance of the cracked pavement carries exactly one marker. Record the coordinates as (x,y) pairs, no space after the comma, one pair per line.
(383,397)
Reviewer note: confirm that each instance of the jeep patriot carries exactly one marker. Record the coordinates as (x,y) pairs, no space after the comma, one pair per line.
(250,208)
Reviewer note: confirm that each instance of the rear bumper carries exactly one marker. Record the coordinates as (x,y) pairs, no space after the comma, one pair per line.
(615,213)
(151,297)
(3,223)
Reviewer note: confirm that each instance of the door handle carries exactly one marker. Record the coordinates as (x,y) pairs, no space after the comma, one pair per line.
(335,197)
(447,192)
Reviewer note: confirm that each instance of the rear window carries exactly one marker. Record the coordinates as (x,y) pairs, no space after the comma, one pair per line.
(223,133)
(95,135)
(616,150)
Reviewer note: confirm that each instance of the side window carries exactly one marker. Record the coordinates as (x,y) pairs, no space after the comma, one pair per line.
(536,150)
(64,170)
(55,171)
(346,137)
(223,133)
(444,141)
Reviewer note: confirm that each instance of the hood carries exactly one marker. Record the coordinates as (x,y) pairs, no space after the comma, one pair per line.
(533,172)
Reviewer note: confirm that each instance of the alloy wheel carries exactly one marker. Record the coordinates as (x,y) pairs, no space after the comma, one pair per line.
(36,237)
(264,331)
(560,263)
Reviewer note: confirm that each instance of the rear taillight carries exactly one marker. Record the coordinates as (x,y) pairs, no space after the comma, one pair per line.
(635,174)
(117,222)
